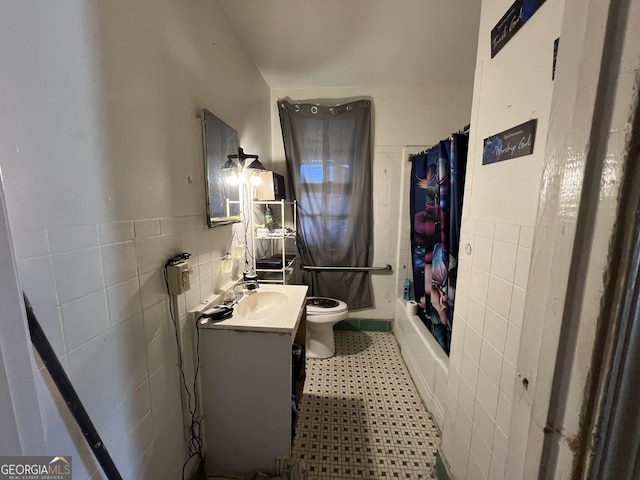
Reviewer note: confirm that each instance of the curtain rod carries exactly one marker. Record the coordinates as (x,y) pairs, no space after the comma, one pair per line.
(462,131)
(386,268)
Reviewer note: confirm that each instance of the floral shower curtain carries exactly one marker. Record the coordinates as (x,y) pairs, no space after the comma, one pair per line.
(437,186)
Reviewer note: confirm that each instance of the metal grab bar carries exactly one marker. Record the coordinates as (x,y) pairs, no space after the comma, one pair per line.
(386,268)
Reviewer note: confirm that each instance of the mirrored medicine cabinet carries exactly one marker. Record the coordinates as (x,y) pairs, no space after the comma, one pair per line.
(223,199)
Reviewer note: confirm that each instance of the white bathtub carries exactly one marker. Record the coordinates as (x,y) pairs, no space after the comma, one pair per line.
(425,359)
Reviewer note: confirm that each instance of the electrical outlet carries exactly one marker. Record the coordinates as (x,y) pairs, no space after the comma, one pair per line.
(178,278)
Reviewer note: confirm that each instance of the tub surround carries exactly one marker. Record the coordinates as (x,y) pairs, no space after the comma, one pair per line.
(426,361)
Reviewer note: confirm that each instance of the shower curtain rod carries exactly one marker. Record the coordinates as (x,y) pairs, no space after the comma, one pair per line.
(462,131)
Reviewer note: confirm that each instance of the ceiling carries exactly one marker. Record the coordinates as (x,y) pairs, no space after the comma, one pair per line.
(340,43)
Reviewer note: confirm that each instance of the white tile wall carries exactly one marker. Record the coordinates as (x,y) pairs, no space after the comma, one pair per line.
(480,458)
(77,273)
(503,265)
(485,341)
(522,266)
(475,314)
(473,344)
(483,422)
(123,301)
(483,248)
(99,293)
(495,329)
(77,329)
(37,272)
(491,362)
(479,285)
(404,259)
(71,238)
(497,224)
(390,234)
(487,392)
(486,335)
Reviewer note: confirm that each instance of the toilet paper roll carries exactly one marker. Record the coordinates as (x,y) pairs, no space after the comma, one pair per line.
(412,307)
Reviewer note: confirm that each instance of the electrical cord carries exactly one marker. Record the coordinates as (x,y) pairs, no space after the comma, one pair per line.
(234,236)
(195,443)
(245,208)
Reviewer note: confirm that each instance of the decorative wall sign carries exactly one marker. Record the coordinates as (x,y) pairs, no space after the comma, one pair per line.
(515,142)
(516,16)
(556,42)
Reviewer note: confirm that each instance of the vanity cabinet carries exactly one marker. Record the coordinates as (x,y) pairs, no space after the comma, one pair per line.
(247,384)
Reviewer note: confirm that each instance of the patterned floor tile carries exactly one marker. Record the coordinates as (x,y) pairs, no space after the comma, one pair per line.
(361,416)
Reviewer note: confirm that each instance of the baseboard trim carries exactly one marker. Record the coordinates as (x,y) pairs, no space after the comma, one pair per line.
(364,325)
(440,469)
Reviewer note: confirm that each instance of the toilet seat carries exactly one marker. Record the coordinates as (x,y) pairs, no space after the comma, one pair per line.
(325,306)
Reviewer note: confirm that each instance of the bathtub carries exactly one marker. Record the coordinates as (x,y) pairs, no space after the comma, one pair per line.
(425,359)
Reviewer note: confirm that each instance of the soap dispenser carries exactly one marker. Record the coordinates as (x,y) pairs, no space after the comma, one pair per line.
(227,264)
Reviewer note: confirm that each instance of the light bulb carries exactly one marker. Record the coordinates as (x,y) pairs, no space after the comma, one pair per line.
(255,179)
(233,179)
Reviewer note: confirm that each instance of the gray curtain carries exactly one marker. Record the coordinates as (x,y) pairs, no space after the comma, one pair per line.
(328,153)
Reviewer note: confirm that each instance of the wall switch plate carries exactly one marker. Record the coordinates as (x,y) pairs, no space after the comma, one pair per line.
(178,278)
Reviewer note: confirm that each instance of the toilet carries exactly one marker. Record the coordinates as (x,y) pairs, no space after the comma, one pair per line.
(322,314)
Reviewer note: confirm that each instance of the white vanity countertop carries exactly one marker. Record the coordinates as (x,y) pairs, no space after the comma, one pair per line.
(270,308)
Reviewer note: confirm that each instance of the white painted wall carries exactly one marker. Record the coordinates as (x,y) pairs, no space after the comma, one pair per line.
(401,116)
(499,212)
(21,428)
(100,137)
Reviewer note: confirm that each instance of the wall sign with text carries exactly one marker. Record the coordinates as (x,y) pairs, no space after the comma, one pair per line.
(517,15)
(515,142)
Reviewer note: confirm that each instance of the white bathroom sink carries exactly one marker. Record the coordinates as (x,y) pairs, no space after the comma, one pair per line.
(270,308)
(262,304)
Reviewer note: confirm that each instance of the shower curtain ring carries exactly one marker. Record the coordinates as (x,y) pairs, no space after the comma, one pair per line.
(314,109)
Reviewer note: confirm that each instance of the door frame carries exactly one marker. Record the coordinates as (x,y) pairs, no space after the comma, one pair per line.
(577,243)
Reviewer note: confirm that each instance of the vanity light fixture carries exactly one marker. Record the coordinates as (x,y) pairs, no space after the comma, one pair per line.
(256,165)
(229,164)
(235,164)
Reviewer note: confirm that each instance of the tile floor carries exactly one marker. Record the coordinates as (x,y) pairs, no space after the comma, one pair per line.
(361,416)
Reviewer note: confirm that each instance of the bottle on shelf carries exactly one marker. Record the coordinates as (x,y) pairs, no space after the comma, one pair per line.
(407,290)
(239,253)
(268,217)
(227,264)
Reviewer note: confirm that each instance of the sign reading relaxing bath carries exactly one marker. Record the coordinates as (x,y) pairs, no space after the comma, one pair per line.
(515,142)
(516,16)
